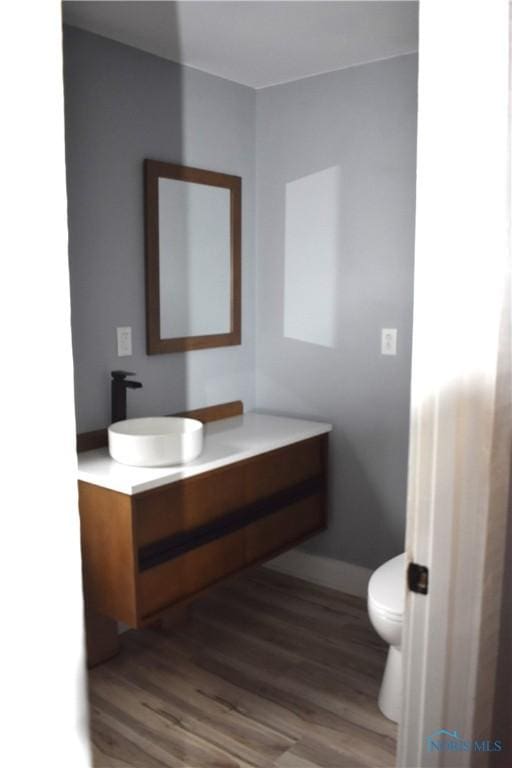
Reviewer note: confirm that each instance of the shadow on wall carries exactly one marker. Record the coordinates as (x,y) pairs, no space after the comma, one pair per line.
(115,118)
(363,515)
(365,518)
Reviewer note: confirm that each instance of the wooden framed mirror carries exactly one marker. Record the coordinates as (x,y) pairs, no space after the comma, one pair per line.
(193,258)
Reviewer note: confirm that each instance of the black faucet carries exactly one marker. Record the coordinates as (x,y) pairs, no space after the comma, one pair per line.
(119,385)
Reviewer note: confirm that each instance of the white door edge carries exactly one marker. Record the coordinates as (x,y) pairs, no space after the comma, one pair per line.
(460,400)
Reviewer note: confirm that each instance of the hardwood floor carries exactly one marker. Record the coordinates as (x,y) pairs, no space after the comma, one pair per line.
(266,670)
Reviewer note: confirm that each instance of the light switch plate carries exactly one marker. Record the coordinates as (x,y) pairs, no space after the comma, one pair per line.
(124,341)
(388,341)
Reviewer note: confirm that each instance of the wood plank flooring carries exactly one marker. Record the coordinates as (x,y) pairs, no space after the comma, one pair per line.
(266,671)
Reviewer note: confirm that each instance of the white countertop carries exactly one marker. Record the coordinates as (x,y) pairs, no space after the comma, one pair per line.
(225,442)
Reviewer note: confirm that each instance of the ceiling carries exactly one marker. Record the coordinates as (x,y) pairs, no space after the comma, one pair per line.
(258,44)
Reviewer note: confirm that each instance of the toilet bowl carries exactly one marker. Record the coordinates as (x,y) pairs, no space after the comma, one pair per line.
(386,600)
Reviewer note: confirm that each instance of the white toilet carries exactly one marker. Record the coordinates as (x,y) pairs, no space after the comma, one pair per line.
(386,600)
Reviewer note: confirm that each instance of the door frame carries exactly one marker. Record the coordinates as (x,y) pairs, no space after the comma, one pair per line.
(459,452)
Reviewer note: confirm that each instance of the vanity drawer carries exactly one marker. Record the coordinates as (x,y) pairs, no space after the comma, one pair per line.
(194,502)
(188,574)
(270,535)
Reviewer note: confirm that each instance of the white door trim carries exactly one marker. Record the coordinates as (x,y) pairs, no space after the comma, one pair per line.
(460,399)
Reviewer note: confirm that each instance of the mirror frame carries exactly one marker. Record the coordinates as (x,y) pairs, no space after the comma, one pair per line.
(153,170)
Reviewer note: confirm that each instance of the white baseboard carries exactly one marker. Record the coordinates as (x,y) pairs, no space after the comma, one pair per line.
(325,571)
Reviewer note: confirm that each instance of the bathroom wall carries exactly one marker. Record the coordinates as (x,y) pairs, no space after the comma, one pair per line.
(124,105)
(335,159)
(327,256)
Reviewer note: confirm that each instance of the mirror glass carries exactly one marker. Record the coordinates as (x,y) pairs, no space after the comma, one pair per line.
(194,245)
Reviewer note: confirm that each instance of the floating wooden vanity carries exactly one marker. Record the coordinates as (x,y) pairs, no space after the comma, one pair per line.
(152,538)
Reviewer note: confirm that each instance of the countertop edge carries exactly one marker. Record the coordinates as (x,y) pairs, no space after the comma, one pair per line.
(190,471)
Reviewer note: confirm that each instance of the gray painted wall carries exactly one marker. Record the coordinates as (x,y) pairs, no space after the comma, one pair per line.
(345,142)
(123,105)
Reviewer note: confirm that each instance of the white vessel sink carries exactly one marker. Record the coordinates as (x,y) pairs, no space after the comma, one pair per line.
(155,441)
